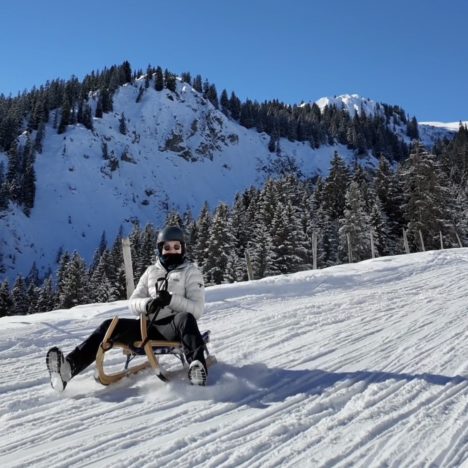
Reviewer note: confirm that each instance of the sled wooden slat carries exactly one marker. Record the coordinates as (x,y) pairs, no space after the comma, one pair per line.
(150,348)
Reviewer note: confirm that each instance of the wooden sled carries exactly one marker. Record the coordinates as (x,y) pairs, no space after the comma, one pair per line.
(144,347)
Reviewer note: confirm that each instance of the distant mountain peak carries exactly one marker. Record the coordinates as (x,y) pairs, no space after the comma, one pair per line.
(350,102)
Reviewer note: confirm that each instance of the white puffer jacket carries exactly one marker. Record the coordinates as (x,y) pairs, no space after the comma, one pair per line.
(185,283)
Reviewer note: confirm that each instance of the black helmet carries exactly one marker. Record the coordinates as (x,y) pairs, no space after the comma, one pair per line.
(171,233)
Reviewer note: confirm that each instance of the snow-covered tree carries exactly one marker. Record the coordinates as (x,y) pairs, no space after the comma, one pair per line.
(73,287)
(6,301)
(354,225)
(427,206)
(220,246)
(203,233)
(288,239)
(46,299)
(20,303)
(335,187)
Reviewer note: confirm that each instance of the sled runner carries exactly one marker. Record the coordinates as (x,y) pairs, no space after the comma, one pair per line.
(145,347)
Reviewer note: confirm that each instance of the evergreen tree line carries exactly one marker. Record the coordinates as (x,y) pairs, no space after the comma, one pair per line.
(18,181)
(69,102)
(275,224)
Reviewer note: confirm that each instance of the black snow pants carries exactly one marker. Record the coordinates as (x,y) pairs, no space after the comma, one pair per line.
(181,327)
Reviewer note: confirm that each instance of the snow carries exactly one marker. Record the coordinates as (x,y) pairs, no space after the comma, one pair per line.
(430,132)
(356,365)
(451,126)
(352,103)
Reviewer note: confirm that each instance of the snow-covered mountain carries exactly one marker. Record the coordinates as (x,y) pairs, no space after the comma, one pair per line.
(352,103)
(359,365)
(429,132)
(178,151)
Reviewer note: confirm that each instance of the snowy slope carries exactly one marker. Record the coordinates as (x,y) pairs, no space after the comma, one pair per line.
(430,132)
(357,365)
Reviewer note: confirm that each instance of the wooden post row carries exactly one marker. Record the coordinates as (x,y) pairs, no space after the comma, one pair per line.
(127,256)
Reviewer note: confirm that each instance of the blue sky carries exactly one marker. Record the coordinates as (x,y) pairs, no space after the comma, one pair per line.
(410,53)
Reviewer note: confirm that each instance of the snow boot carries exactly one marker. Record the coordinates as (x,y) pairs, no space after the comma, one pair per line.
(59,369)
(197,373)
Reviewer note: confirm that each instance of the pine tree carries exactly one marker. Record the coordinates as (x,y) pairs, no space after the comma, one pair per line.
(174,219)
(28,187)
(33,276)
(186,77)
(46,299)
(122,124)
(379,226)
(159,79)
(427,206)
(135,238)
(19,297)
(335,187)
(87,117)
(13,176)
(387,187)
(260,249)
(212,95)
(39,137)
(197,83)
(32,293)
(220,246)
(148,246)
(355,225)
(224,101)
(65,115)
(116,270)
(412,129)
(6,301)
(235,106)
(327,238)
(73,289)
(99,251)
(170,80)
(204,223)
(288,239)
(99,111)
(101,287)
(106,101)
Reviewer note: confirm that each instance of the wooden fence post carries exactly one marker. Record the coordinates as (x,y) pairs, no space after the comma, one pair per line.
(127,256)
(314,249)
(458,238)
(405,241)
(441,241)
(249,266)
(422,241)
(372,244)
(350,253)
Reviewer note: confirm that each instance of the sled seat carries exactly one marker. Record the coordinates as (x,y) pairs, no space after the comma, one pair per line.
(144,347)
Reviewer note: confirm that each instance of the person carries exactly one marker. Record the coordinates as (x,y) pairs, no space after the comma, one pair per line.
(173,289)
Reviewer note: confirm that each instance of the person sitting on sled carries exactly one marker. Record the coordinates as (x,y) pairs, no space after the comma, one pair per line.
(178,306)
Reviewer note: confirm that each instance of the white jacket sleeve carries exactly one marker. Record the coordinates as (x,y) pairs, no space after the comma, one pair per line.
(140,297)
(194,300)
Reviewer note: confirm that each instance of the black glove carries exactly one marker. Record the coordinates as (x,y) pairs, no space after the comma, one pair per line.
(163,299)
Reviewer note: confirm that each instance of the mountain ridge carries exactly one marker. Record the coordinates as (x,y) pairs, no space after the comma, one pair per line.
(176,151)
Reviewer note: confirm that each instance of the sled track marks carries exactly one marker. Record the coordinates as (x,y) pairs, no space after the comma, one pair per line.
(350,369)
